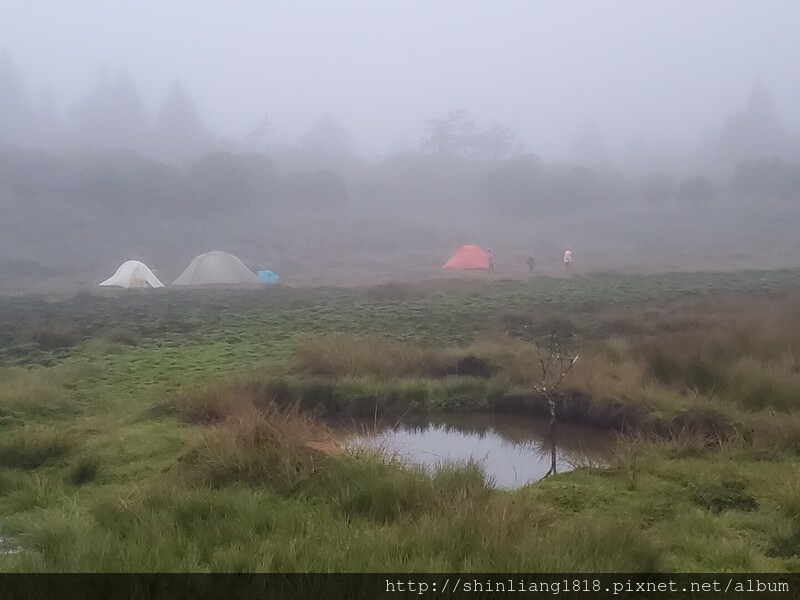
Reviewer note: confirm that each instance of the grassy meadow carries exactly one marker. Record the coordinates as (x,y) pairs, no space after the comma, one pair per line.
(184,430)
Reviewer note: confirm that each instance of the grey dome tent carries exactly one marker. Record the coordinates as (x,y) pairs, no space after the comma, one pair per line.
(216,268)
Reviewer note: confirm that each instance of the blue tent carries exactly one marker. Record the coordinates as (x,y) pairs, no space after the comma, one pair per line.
(267,277)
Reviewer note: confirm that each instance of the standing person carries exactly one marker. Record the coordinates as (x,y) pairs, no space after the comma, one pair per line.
(567,259)
(490,254)
(531,263)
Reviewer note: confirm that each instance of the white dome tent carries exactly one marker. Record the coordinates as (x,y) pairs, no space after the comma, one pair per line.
(216,268)
(133,274)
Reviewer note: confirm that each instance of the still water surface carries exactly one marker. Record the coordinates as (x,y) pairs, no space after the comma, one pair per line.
(512,449)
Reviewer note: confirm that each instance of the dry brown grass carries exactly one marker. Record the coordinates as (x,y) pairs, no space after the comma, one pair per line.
(250,438)
(738,349)
(352,355)
(728,324)
(598,376)
(279,448)
(664,383)
(339,355)
(218,401)
(770,430)
(714,361)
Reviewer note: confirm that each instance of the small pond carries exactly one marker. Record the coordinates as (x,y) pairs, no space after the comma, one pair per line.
(513,449)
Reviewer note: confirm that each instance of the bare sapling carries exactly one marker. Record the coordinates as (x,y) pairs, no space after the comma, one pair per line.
(555,364)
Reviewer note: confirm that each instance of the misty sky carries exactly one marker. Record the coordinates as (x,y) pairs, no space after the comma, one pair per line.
(672,68)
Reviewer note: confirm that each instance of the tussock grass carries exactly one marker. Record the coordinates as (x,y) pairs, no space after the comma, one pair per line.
(39,391)
(770,431)
(33,446)
(156,528)
(219,400)
(7,480)
(36,491)
(28,390)
(84,470)
(682,443)
(369,486)
(279,448)
(352,355)
(649,384)
(349,354)
(600,546)
(172,528)
(597,376)
(788,494)
(758,386)
(744,350)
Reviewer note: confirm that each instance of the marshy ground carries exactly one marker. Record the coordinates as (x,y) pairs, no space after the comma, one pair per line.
(187,430)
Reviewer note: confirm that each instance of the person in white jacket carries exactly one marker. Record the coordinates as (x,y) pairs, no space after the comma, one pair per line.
(567,259)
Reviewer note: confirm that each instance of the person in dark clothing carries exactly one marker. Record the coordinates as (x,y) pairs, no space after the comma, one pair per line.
(531,263)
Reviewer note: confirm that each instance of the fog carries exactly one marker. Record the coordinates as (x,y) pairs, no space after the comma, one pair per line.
(341,130)
(669,71)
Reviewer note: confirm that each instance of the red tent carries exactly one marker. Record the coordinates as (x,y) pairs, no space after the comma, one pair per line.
(467,258)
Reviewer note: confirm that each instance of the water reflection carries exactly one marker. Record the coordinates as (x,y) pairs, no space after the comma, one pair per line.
(512,449)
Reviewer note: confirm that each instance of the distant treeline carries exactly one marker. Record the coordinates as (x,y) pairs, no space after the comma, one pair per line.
(227,183)
(112,115)
(122,182)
